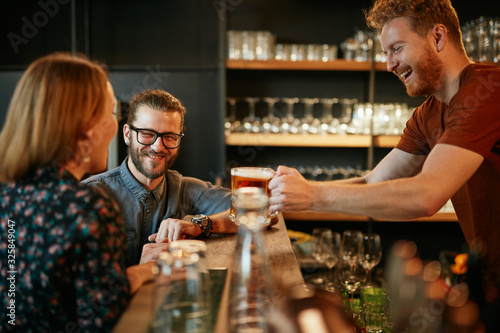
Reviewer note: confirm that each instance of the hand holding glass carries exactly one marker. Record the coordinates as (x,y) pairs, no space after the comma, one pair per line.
(251,177)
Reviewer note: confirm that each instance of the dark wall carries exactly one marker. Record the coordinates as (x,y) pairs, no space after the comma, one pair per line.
(149,44)
(177,45)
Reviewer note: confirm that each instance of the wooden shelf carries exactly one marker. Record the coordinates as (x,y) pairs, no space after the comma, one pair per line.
(297,140)
(300,140)
(320,216)
(335,65)
(386,141)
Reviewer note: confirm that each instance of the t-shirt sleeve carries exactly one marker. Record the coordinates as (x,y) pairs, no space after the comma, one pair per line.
(413,139)
(101,285)
(474,119)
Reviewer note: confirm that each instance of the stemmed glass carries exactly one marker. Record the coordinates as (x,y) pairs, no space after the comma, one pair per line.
(346,117)
(308,123)
(231,123)
(371,254)
(288,122)
(331,261)
(351,273)
(351,276)
(270,124)
(329,124)
(351,246)
(251,123)
(321,250)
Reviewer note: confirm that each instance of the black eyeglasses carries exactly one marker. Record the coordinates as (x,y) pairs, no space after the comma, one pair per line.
(147,137)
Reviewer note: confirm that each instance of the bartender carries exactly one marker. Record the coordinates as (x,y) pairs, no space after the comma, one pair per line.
(450,147)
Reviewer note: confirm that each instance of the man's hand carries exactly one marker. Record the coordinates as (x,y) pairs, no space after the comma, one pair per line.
(290,191)
(173,229)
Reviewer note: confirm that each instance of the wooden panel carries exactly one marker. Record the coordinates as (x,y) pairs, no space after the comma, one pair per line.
(326,216)
(336,65)
(297,140)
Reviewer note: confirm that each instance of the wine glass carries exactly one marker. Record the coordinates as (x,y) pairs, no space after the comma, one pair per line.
(329,124)
(371,254)
(270,124)
(289,124)
(231,123)
(351,277)
(251,123)
(309,124)
(351,246)
(321,250)
(331,261)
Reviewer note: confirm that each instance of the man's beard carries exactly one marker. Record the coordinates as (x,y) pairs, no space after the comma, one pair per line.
(135,156)
(427,74)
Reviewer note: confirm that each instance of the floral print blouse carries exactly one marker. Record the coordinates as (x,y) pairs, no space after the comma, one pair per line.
(62,249)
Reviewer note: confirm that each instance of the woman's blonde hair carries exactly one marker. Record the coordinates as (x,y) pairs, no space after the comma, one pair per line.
(58,97)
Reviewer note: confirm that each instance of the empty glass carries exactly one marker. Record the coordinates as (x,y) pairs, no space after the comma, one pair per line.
(251,123)
(351,246)
(329,124)
(288,123)
(371,254)
(270,124)
(309,124)
(251,282)
(181,290)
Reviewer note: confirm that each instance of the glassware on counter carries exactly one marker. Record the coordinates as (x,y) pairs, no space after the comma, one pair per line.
(371,254)
(182,289)
(251,282)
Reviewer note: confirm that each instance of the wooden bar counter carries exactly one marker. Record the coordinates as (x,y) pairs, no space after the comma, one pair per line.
(220,251)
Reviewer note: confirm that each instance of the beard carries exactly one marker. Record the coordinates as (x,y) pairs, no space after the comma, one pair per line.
(426,74)
(150,173)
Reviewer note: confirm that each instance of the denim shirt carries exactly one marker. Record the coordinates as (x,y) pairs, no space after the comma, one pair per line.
(143,210)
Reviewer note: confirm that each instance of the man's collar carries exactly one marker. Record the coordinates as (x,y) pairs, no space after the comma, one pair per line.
(136,187)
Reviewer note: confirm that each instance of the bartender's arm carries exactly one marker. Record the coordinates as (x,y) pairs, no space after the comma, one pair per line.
(402,186)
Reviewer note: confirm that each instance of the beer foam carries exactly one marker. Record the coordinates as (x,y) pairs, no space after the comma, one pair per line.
(254,173)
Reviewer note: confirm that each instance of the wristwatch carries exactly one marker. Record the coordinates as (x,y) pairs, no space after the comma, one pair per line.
(205,224)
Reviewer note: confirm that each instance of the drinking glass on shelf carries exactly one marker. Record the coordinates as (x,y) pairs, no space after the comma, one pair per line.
(329,124)
(309,124)
(289,124)
(346,116)
(270,124)
(371,254)
(351,246)
(230,123)
(251,123)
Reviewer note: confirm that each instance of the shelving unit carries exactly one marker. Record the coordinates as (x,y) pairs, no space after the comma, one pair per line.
(319,216)
(310,140)
(309,79)
(335,65)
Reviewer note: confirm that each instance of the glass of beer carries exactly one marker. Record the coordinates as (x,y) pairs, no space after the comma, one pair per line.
(251,177)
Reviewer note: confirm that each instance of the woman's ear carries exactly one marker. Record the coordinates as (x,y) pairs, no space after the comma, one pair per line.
(85,145)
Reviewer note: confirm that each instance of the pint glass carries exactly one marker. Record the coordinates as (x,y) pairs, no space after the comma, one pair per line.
(250,177)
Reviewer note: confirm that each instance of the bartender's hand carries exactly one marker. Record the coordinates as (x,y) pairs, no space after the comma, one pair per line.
(290,191)
(173,229)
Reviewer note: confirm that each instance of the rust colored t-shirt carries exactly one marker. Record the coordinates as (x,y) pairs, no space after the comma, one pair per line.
(470,121)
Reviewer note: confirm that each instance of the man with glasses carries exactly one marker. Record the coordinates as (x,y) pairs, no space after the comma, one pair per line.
(153,199)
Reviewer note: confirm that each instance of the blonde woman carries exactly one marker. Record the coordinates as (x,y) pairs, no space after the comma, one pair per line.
(62,248)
